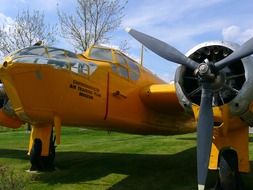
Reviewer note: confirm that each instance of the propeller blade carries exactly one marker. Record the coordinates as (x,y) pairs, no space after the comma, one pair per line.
(204,136)
(163,49)
(245,50)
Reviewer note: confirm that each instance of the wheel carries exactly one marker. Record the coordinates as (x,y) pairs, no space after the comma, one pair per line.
(42,163)
(35,156)
(48,161)
(229,177)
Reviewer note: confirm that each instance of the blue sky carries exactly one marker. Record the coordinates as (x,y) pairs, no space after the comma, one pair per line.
(181,23)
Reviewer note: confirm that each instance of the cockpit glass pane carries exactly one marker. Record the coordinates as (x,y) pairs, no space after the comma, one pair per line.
(56,53)
(123,72)
(70,54)
(58,63)
(120,59)
(80,67)
(114,68)
(134,72)
(31,59)
(34,50)
(92,67)
(101,54)
(58,58)
(133,75)
(133,65)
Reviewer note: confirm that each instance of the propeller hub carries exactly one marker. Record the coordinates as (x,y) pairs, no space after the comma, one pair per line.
(205,72)
(203,69)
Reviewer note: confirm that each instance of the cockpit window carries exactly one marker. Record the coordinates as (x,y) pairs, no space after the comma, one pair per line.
(79,67)
(44,51)
(56,53)
(123,72)
(59,53)
(34,50)
(58,58)
(125,67)
(120,59)
(101,54)
(132,64)
(58,63)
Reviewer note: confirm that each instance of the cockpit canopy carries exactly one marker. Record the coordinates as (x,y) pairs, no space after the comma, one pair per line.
(59,58)
(121,64)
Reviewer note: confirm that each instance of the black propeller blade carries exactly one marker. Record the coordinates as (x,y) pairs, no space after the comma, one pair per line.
(204,135)
(163,49)
(244,50)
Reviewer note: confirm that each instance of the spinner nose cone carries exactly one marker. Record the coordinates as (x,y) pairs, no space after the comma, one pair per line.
(128,29)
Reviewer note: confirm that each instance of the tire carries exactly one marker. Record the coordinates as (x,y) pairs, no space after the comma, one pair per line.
(35,156)
(229,177)
(42,163)
(48,161)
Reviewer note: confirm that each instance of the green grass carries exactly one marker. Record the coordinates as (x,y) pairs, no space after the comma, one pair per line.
(96,160)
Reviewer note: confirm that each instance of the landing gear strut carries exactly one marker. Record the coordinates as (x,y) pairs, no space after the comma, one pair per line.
(229,176)
(42,163)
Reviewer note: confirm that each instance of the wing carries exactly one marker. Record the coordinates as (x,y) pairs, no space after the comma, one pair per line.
(161,97)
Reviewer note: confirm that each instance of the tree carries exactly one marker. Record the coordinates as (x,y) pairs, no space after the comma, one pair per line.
(92,22)
(27,29)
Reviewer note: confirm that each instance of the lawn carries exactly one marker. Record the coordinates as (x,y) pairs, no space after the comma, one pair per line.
(97,160)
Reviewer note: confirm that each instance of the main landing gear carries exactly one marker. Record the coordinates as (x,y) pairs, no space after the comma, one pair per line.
(229,176)
(42,145)
(39,162)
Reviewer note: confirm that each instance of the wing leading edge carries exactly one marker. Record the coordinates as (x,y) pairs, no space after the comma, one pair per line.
(161,97)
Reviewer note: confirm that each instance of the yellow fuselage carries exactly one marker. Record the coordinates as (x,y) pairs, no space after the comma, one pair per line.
(104,100)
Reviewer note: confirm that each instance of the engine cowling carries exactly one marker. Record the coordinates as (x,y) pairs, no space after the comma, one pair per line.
(233,87)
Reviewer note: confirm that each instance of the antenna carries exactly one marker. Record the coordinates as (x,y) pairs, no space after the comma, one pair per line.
(142,54)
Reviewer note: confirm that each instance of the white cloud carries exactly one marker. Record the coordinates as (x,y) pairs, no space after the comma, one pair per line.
(5,22)
(168,77)
(175,22)
(235,33)
(150,13)
(5,19)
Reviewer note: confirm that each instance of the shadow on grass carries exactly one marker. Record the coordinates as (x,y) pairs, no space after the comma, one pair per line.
(140,171)
(187,138)
(12,153)
(250,139)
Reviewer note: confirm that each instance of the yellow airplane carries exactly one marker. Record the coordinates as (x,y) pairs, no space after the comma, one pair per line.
(105,89)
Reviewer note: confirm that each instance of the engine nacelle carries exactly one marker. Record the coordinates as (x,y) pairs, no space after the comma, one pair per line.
(234,86)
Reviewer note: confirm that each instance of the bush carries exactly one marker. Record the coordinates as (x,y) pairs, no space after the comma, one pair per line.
(12,180)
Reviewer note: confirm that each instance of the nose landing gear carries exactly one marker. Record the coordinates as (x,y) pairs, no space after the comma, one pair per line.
(39,160)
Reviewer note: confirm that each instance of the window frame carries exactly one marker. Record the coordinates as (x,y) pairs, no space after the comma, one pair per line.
(133,71)
(102,48)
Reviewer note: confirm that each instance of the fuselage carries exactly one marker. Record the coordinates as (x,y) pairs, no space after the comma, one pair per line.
(101,94)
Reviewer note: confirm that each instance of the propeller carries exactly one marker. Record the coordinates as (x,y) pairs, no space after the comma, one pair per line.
(162,49)
(207,73)
(204,135)
(243,51)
